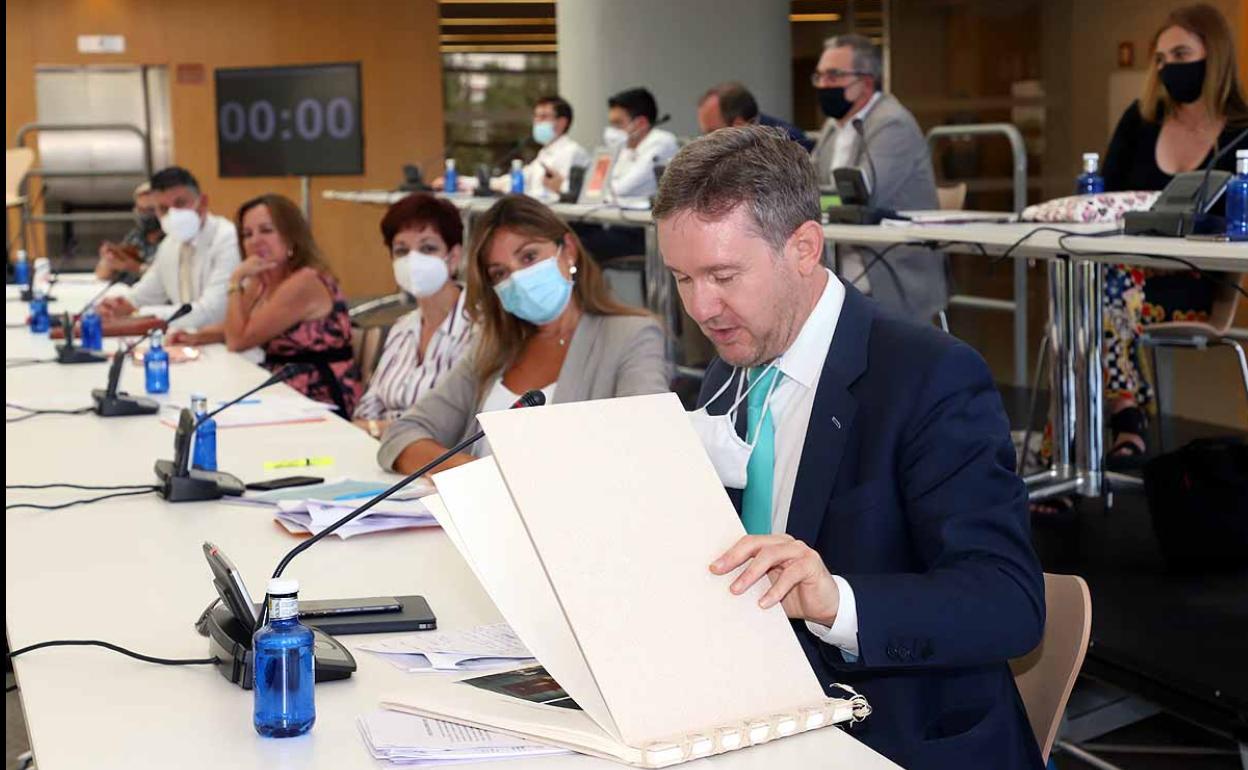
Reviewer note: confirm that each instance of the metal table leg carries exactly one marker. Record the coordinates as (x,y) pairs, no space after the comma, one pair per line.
(1090,421)
(1062,477)
(659,292)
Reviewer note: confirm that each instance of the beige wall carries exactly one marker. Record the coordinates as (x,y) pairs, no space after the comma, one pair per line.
(396,42)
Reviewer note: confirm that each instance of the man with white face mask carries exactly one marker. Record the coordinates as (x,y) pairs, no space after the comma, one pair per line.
(868,456)
(639,145)
(194,260)
(546,176)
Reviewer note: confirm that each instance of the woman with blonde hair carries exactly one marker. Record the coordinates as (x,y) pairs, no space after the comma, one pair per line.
(545,321)
(1192,108)
(283,299)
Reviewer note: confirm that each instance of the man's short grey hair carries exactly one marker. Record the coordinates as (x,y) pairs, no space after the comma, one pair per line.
(755,166)
(867,57)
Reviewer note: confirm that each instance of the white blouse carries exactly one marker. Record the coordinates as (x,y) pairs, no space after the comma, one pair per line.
(402,375)
(499,398)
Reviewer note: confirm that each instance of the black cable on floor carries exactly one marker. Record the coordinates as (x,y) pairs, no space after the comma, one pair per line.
(71,503)
(114,648)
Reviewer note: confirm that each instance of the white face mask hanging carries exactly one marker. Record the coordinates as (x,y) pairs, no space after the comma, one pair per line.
(729,453)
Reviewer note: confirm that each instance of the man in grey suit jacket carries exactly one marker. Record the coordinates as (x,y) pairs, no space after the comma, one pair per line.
(911,281)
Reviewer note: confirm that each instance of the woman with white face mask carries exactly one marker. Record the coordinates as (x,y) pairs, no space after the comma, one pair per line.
(424,236)
(546,321)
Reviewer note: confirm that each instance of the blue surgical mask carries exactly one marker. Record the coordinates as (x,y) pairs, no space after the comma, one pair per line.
(544,132)
(537,294)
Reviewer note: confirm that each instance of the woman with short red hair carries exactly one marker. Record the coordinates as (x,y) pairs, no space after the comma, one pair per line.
(424,236)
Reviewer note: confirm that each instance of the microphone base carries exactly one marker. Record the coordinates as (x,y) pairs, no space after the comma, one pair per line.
(122,404)
(857,215)
(197,485)
(230,644)
(1171,224)
(74,355)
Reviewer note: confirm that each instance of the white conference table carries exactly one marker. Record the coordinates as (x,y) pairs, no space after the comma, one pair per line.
(1076,299)
(131,571)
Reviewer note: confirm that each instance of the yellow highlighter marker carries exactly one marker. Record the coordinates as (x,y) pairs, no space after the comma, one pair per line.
(302,462)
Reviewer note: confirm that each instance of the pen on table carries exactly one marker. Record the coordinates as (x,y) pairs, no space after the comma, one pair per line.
(300,462)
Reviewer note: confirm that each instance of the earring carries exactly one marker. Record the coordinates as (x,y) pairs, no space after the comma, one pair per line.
(572,270)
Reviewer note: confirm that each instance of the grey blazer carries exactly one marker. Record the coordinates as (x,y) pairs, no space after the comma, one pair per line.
(905,181)
(609,356)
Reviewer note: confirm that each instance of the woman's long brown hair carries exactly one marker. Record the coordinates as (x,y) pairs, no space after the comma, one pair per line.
(293,228)
(500,335)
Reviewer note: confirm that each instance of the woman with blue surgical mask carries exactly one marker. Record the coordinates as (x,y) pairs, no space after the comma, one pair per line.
(545,321)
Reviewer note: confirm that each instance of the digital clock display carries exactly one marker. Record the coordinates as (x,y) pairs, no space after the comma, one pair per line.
(289,121)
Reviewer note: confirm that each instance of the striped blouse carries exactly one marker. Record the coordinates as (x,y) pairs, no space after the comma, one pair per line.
(402,376)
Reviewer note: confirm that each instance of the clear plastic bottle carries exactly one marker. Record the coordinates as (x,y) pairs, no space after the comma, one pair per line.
(156,365)
(204,455)
(21,268)
(285,669)
(450,178)
(1090,181)
(517,177)
(1237,199)
(92,330)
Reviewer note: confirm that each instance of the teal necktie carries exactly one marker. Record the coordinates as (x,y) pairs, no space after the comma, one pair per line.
(756,498)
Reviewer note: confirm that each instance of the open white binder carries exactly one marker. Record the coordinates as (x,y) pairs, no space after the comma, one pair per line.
(592,528)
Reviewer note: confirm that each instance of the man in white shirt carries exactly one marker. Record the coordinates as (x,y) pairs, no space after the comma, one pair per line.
(638,145)
(870,130)
(868,456)
(547,176)
(193,262)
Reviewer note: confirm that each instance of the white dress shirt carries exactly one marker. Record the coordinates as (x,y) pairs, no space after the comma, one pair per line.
(403,375)
(559,156)
(790,406)
(632,174)
(212,256)
(844,149)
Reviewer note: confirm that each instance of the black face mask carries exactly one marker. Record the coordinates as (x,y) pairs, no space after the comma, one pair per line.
(833,103)
(1183,81)
(147,223)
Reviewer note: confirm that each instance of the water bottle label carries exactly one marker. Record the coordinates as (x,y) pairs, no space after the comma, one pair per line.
(282,607)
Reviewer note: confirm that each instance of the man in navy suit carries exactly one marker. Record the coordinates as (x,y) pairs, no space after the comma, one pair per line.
(869,457)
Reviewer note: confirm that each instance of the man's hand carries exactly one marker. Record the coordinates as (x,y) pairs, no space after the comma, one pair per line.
(115,307)
(799,580)
(553,180)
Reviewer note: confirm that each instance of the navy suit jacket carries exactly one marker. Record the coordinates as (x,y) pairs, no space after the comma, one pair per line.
(906,488)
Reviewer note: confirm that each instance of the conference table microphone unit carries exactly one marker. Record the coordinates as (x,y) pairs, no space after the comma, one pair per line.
(180,483)
(110,402)
(1183,208)
(855,193)
(230,624)
(67,353)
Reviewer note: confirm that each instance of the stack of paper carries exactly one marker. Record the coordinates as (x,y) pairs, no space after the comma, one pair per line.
(313,508)
(662,661)
(484,647)
(406,739)
(266,410)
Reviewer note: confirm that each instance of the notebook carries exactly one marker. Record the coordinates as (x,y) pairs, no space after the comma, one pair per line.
(592,527)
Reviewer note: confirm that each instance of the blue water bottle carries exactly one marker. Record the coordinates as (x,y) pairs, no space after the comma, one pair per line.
(40,321)
(1237,199)
(517,177)
(1090,181)
(204,456)
(285,705)
(156,365)
(92,330)
(21,269)
(450,179)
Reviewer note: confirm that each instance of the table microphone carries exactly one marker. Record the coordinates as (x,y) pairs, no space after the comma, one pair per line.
(1198,213)
(111,403)
(67,353)
(531,398)
(856,195)
(178,482)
